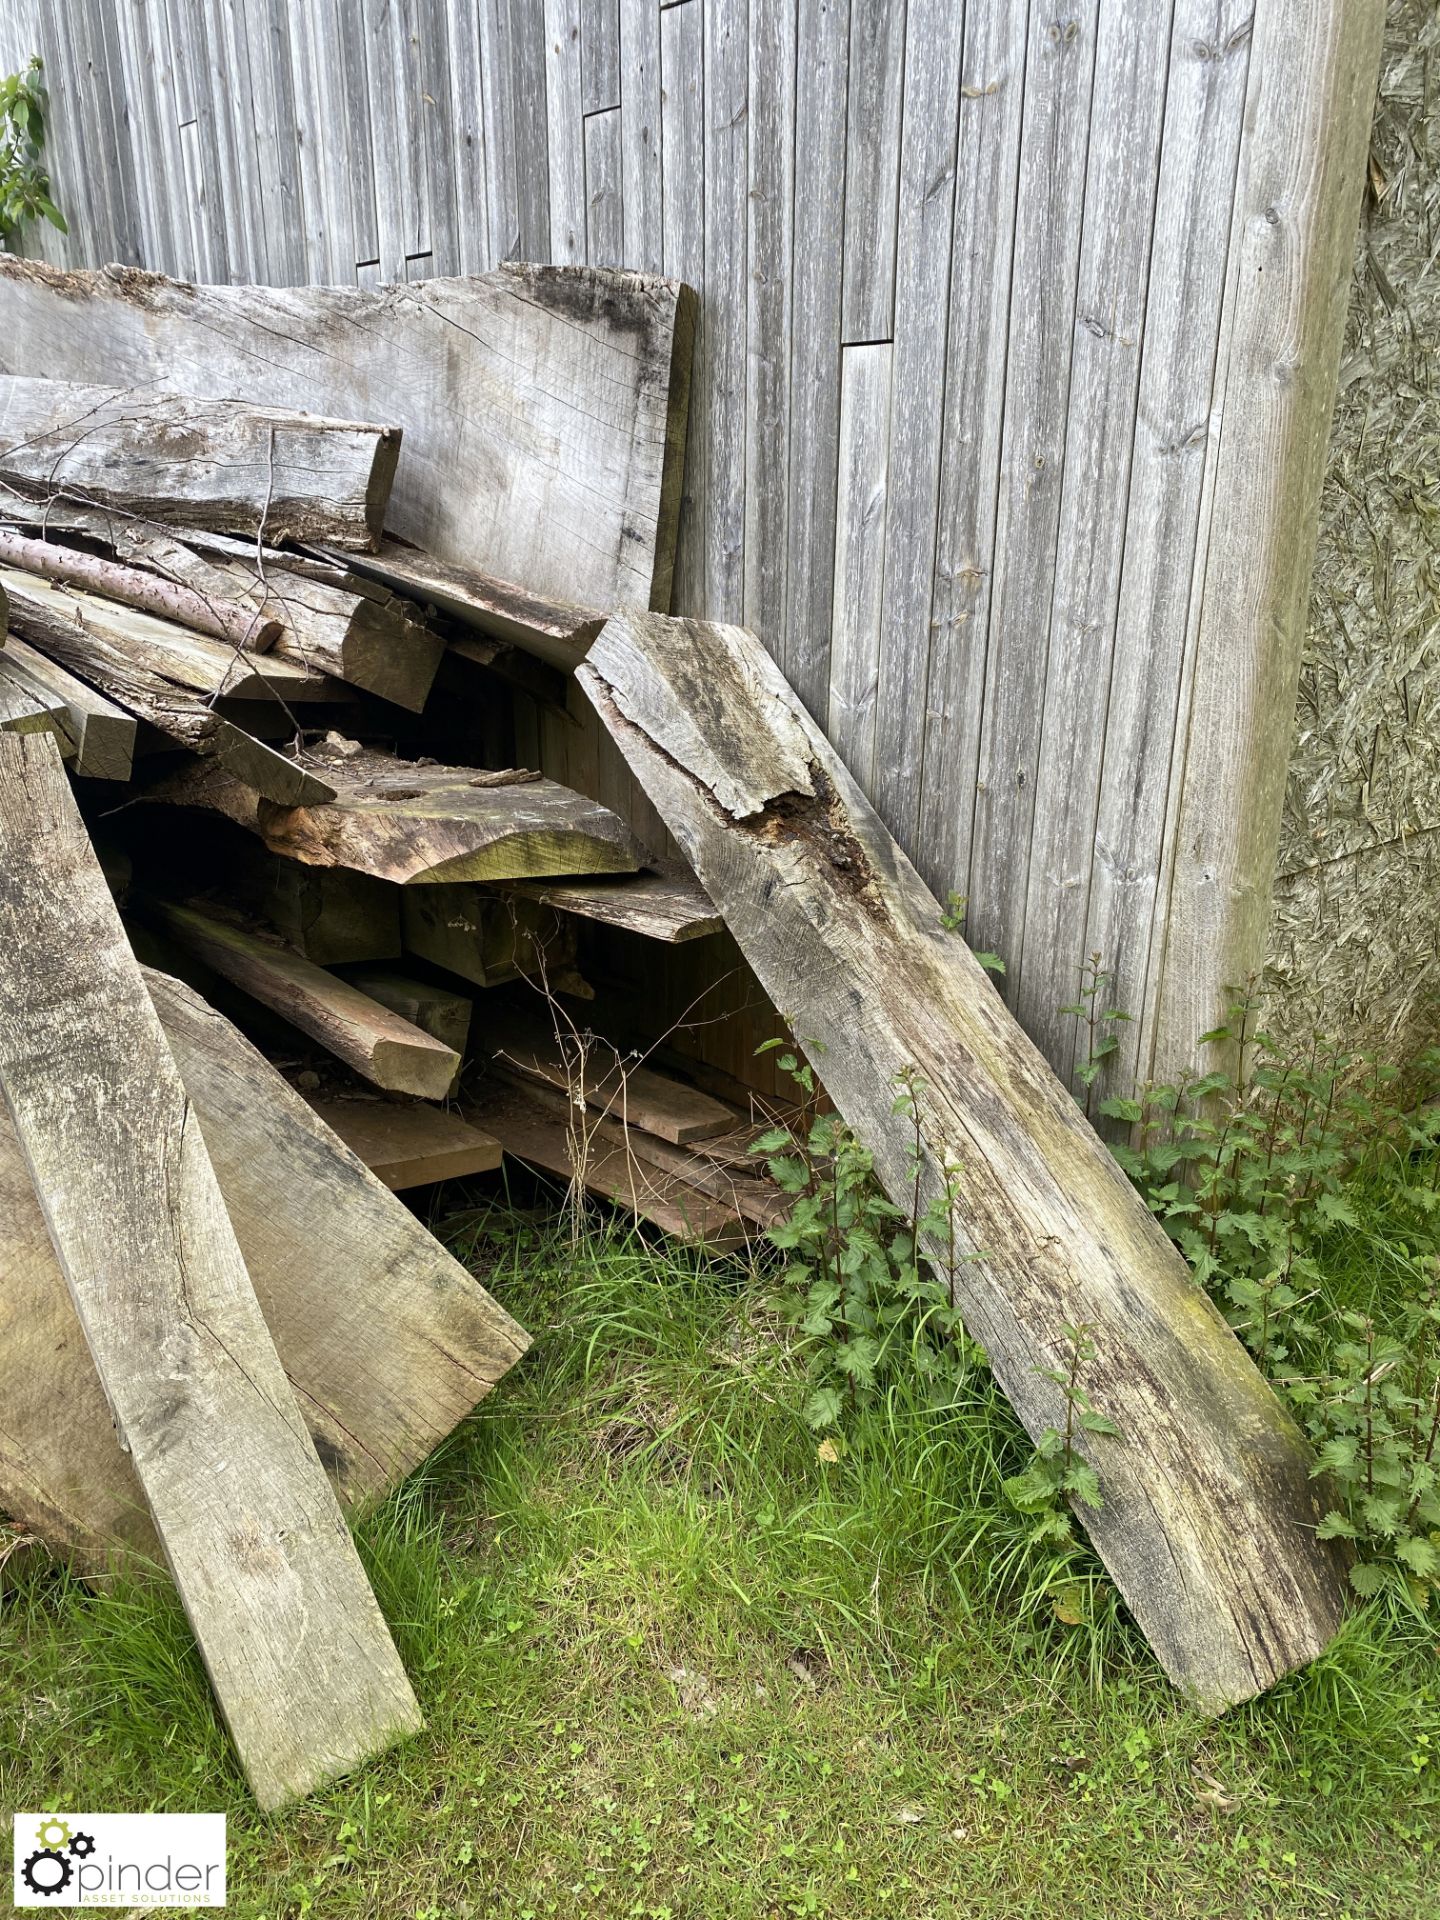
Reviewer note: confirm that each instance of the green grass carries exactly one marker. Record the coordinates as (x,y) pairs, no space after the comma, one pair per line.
(674,1663)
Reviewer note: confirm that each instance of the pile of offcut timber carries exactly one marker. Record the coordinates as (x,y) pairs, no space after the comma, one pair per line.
(290,714)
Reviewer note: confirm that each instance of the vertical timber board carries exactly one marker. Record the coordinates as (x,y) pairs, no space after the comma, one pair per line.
(682,134)
(865,411)
(872,166)
(329,241)
(443,153)
(992,84)
(502,189)
(1058,72)
(722,396)
(924,237)
(471,184)
(1115,250)
(566,126)
(1200,148)
(599,55)
(640,152)
(817,270)
(770,162)
(270,113)
(1313,73)
(604,211)
(302,1664)
(355,147)
(524,53)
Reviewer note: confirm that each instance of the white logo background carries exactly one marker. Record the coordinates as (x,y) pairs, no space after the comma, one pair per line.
(120,1860)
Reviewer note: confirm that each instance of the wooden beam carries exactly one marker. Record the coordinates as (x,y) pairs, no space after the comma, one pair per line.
(26,709)
(422,825)
(438,1011)
(544,408)
(1313,70)
(484,937)
(201,462)
(136,659)
(386,1340)
(102,734)
(587,1067)
(378,1044)
(410,1146)
(550,629)
(669,907)
(302,1664)
(1209,1514)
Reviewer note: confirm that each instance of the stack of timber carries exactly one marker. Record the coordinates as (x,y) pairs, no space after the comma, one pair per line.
(355,862)
(264,844)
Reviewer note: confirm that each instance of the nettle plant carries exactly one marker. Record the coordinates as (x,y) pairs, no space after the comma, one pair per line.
(24,182)
(863,1297)
(1256,1171)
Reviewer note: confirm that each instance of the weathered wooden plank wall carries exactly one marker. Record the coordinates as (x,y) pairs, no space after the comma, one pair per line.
(967,271)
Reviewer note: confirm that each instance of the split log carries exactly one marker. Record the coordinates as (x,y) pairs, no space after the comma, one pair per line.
(102,734)
(213,462)
(669,907)
(543,407)
(1208,1522)
(302,1664)
(151,669)
(588,1068)
(377,1043)
(170,599)
(410,1146)
(551,629)
(366,638)
(418,824)
(386,1340)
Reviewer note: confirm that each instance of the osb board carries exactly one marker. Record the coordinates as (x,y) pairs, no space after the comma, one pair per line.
(1355,937)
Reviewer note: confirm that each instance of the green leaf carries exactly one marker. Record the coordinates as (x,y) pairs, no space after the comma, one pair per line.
(1335,1527)
(1368,1580)
(1418,1554)
(991,962)
(822,1409)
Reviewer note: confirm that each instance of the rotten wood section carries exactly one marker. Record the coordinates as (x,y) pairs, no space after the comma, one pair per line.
(163,674)
(412,1145)
(543,407)
(386,1340)
(215,462)
(1209,1515)
(301,1661)
(420,824)
(669,907)
(551,629)
(380,1045)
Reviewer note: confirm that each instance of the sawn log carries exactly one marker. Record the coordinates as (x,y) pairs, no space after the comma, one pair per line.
(1209,1514)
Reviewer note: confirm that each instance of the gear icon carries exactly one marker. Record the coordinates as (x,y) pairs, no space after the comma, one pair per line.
(82,1846)
(38,1874)
(53,1833)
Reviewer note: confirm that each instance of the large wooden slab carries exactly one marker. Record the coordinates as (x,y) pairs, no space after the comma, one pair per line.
(202,462)
(1207,1526)
(301,1661)
(418,824)
(543,408)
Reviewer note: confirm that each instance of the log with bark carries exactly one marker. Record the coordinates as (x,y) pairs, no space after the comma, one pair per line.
(302,1664)
(543,407)
(215,462)
(1209,1511)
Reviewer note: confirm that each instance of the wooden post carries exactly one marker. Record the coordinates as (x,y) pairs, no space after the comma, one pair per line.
(302,1664)
(1209,1512)
(1313,72)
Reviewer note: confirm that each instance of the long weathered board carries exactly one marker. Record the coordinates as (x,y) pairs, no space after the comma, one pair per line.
(301,1661)
(386,1340)
(215,462)
(543,408)
(1209,1513)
